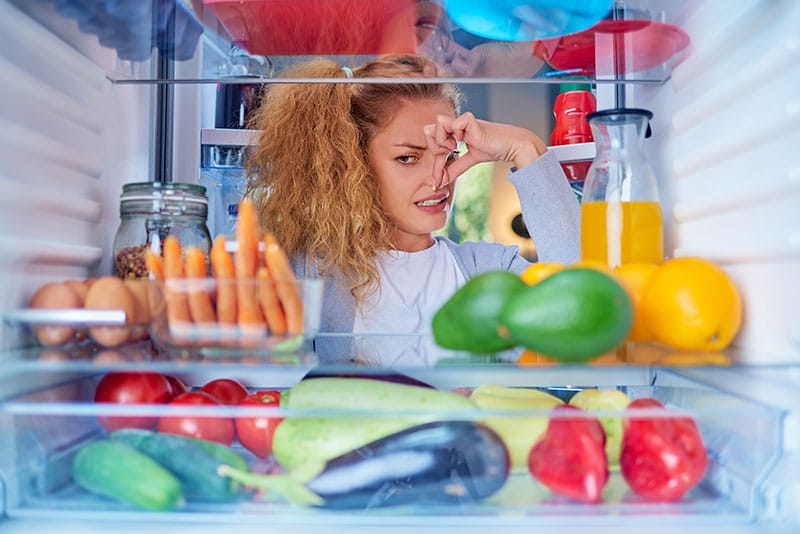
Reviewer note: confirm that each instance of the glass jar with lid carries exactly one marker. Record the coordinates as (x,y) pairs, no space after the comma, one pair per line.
(151,211)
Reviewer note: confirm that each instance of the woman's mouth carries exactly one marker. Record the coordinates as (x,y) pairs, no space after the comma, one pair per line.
(434,201)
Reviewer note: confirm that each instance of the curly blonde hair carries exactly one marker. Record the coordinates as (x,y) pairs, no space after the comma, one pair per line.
(309,172)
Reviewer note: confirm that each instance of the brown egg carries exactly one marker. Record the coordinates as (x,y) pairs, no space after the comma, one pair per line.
(109,356)
(139,291)
(51,355)
(55,296)
(81,288)
(111,293)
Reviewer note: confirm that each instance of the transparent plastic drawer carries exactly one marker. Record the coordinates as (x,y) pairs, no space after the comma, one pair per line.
(46,425)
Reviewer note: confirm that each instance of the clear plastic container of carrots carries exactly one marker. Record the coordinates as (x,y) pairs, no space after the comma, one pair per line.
(249,299)
(191,316)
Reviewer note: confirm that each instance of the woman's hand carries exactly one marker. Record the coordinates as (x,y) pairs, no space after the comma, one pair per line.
(486,141)
(494,60)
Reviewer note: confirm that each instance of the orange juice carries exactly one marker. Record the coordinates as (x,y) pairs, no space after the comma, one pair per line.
(622,232)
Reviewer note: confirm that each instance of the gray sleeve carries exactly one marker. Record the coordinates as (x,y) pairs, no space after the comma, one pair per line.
(338,304)
(475,257)
(550,209)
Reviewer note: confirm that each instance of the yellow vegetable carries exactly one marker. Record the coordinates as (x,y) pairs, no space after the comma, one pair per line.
(519,433)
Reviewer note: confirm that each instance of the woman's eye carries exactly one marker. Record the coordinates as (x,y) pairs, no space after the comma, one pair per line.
(407,159)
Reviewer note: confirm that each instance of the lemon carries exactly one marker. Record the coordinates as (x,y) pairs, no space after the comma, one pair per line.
(537,272)
(692,304)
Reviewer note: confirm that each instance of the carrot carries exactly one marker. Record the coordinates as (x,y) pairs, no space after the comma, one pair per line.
(222,265)
(154,265)
(199,299)
(285,283)
(177,301)
(246,265)
(276,320)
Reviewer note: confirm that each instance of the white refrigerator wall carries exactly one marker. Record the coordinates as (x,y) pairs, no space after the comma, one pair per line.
(69,139)
(725,146)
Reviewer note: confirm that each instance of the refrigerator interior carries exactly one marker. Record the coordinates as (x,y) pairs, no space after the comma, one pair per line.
(82,117)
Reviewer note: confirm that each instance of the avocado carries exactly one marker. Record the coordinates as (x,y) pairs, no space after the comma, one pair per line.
(573,315)
(468,321)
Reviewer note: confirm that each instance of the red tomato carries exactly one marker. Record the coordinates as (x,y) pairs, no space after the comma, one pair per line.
(177,386)
(123,387)
(662,457)
(225,390)
(255,433)
(570,459)
(215,428)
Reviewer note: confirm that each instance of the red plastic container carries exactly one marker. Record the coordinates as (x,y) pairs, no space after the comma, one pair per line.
(319,27)
(570,110)
(626,45)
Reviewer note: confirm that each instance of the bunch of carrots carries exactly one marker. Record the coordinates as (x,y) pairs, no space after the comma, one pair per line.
(255,291)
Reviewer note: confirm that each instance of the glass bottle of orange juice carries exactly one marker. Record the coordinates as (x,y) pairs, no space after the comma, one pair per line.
(620,213)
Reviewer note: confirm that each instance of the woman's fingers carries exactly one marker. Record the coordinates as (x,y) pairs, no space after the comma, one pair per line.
(439,142)
(458,167)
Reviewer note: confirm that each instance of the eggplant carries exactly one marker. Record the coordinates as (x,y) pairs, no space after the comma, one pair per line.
(383,374)
(443,462)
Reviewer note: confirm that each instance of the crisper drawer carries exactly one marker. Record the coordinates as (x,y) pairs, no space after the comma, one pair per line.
(43,430)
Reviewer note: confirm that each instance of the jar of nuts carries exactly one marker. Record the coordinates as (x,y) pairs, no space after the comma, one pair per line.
(149,212)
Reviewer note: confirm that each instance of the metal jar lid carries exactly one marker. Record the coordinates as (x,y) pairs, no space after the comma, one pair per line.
(168,198)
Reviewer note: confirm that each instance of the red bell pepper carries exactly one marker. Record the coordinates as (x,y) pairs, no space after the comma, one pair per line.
(570,457)
(662,457)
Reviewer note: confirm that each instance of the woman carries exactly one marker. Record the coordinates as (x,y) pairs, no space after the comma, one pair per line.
(353,178)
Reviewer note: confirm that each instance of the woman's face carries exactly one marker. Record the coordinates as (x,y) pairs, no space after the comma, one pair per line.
(403,166)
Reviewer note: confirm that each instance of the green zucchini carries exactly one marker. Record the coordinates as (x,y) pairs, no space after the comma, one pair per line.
(303,445)
(117,470)
(195,462)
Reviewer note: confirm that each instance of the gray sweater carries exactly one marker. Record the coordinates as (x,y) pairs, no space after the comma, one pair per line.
(552,216)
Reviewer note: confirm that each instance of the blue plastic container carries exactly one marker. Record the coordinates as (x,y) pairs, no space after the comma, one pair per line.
(526,20)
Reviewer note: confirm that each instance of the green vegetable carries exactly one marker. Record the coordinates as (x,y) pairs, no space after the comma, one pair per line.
(195,462)
(303,444)
(572,315)
(519,433)
(114,469)
(469,320)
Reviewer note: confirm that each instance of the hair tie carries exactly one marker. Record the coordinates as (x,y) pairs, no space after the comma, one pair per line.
(347,72)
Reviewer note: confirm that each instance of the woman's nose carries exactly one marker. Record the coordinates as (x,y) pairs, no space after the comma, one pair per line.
(429,172)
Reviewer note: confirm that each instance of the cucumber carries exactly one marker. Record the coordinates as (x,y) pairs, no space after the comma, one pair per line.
(195,462)
(303,445)
(115,469)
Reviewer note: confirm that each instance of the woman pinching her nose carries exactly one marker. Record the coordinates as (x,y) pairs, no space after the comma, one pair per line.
(354,177)
(485,141)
